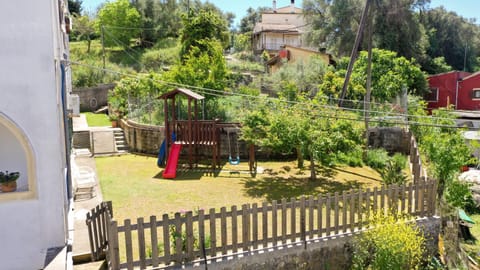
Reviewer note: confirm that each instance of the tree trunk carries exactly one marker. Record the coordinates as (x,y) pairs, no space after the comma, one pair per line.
(313,174)
(299,157)
(89,42)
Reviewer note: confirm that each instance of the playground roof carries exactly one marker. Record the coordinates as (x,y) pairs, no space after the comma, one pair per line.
(186,92)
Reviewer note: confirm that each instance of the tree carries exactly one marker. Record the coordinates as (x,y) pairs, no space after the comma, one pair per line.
(390,74)
(120,22)
(253,16)
(396,26)
(203,25)
(205,67)
(303,128)
(444,148)
(452,37)
(160,19)
(75,7)
(333,23)
(84,28)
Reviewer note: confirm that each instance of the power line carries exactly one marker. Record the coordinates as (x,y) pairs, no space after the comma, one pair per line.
(221,93)
(121,44)
(129,28)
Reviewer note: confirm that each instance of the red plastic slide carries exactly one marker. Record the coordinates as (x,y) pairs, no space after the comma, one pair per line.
(170,171)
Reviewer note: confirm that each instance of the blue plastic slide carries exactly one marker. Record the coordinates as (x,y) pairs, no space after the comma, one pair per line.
(161,154)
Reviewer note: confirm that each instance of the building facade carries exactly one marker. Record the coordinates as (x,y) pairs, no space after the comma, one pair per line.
(457,88)
(34,133)
(279,27)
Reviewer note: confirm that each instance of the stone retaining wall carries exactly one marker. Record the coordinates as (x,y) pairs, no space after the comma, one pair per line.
(142,138)
(392,139)
(93,98)
(326,254)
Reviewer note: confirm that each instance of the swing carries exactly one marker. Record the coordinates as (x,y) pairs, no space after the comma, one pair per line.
(230,159)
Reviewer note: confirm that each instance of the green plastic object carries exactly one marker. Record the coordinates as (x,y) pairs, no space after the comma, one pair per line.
(463,216)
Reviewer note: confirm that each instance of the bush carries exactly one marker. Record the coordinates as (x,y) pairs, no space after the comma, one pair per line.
(458,194)
(155,59)
(391,244)
(352,158)
(393,171)
(377,158)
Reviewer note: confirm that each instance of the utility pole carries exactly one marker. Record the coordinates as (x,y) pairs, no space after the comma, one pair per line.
(103,44)
(353,56)
(367,103)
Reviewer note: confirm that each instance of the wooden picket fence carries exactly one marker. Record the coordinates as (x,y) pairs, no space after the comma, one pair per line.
(97,229)
(212,235)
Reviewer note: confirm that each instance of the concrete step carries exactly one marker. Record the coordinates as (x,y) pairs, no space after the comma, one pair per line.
(120,141)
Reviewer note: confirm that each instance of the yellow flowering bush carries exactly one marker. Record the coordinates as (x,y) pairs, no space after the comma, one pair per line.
(392,244)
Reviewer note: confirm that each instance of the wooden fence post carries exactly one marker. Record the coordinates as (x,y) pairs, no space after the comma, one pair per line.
(166,238)
(213,233)
(128,243)
(246,227)
(154,240)
(113,246)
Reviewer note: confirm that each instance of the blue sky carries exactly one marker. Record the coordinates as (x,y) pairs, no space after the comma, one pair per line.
(465,8)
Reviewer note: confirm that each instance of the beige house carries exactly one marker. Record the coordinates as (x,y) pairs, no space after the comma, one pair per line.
(291,54)
(282,26)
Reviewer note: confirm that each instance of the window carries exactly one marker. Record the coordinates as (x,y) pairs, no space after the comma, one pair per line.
(433,95)
(476,93)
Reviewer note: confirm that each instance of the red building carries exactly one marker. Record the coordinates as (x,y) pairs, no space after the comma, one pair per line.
(457,88)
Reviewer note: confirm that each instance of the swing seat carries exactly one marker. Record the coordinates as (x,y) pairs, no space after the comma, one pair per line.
(234,161)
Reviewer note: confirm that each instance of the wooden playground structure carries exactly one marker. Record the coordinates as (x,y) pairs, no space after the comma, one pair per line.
(198,136)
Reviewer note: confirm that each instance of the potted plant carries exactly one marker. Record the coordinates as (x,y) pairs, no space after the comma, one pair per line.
(114,119)
(8,181)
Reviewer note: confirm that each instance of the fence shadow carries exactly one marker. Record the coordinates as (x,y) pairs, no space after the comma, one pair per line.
(277,188)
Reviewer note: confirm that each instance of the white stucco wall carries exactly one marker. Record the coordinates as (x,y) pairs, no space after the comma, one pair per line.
(284,18)
(30,97)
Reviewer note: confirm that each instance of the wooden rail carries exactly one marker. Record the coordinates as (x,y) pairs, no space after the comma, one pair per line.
(206,235)
(97,223)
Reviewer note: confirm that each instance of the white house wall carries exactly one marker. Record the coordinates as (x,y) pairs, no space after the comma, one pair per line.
(30,97)
(276,18)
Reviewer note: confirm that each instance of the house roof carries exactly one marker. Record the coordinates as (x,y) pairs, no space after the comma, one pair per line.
(285,10)
(448,72)
(186,92)
(272,27)
(471,76)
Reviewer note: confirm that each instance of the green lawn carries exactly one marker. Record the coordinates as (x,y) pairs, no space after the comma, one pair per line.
(97,119)
(134,184)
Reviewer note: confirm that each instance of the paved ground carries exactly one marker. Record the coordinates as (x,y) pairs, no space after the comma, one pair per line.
(81,245)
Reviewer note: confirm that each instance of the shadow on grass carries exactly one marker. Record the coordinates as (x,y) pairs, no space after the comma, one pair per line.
(356,174)
(276,188)
(187,175)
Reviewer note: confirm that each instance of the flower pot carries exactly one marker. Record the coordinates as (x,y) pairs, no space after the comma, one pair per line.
(114,123)
(8,186)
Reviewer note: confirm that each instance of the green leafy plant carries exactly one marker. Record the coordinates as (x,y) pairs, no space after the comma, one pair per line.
(174,235)
(393,171)
(458,194)
(6,177)
(392,243)
(377,158)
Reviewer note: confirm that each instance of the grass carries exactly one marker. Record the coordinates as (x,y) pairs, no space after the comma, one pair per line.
(135,186)
(97,119)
